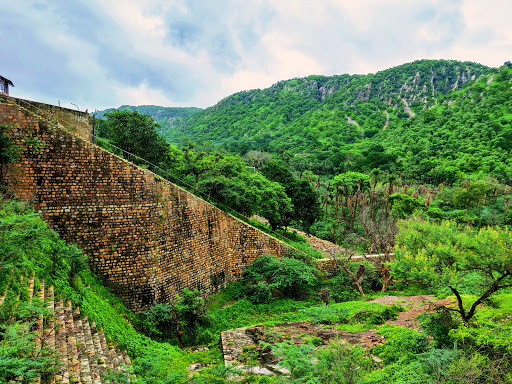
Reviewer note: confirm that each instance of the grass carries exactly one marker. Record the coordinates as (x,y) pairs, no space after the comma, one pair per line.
(230,311)
(28,247)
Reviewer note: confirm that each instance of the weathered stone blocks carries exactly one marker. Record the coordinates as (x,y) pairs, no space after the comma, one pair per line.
(145,237)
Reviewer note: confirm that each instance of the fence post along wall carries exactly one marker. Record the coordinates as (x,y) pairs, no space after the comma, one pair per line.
(145,237)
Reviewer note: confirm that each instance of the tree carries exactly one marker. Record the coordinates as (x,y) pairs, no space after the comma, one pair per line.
(380,232)
(442,255)
(269,276)
(257,158)
(403,205)
(276,172)
(197,163)
(304,198)
(267,198)
(306,204)
(344,261)
(137,134)
(352,182)
(181,318)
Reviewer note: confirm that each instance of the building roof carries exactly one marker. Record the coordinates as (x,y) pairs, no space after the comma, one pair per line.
(6,81)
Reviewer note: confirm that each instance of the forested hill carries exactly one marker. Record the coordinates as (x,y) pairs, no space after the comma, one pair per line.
(166,117)
(431,121)
(301,114)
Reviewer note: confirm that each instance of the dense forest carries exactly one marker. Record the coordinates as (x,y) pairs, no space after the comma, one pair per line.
(412,162)
(437,133)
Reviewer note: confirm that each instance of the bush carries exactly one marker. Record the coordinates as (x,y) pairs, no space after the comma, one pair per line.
(343,288)
(17,358)
(261,292)
(438,325)
(181,319)
(376,316)
(342,364)
(402,343)
(268,277)
(326,314)
(338,363)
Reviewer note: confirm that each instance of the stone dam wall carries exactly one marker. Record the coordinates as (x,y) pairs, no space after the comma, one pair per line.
(68,119)
(146,238)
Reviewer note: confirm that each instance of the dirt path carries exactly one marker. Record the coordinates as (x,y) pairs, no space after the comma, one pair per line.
(328,249)
(351,121)
(416,305)
(408,109)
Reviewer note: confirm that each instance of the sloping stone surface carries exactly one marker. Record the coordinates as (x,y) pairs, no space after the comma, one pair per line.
(82,350)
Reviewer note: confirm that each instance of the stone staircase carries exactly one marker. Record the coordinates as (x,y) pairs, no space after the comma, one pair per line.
(81,347)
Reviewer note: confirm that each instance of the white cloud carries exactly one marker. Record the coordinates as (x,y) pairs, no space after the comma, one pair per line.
(176,52)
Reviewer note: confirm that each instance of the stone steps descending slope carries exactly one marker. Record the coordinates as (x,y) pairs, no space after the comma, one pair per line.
(81,347)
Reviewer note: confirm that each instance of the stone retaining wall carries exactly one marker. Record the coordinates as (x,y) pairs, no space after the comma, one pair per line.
(68,119)
(146,238)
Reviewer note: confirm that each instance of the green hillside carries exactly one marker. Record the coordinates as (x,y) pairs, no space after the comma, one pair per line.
(309,114)
(438,131)
(417,119)
(166,117)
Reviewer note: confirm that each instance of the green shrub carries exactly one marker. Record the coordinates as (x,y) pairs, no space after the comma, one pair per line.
(438,325)
(17,358)
(297,359)
(376,316)
(326,314)
(181,319)
(338,363)
(215,375)
(268,277)
(401,343)
(261,292)
(343,288)
(479,368)
(435,363)
(342,364)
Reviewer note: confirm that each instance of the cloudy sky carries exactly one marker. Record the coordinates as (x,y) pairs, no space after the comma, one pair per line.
(105,53)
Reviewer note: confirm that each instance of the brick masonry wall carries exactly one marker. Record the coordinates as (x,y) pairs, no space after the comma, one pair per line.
(146,238)
(68,119)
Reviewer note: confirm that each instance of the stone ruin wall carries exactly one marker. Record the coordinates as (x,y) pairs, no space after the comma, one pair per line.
(68,119)
(146,238)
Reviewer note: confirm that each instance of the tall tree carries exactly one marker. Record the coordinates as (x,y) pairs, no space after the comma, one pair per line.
(305,200)
(137,134)
(442,255)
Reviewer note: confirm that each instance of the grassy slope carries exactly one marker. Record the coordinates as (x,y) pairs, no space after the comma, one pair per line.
(27,246)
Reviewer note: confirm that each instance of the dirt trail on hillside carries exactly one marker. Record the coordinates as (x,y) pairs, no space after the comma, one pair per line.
(352,121)
(387,121)
(415,305)
(328,249)
(407,109)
